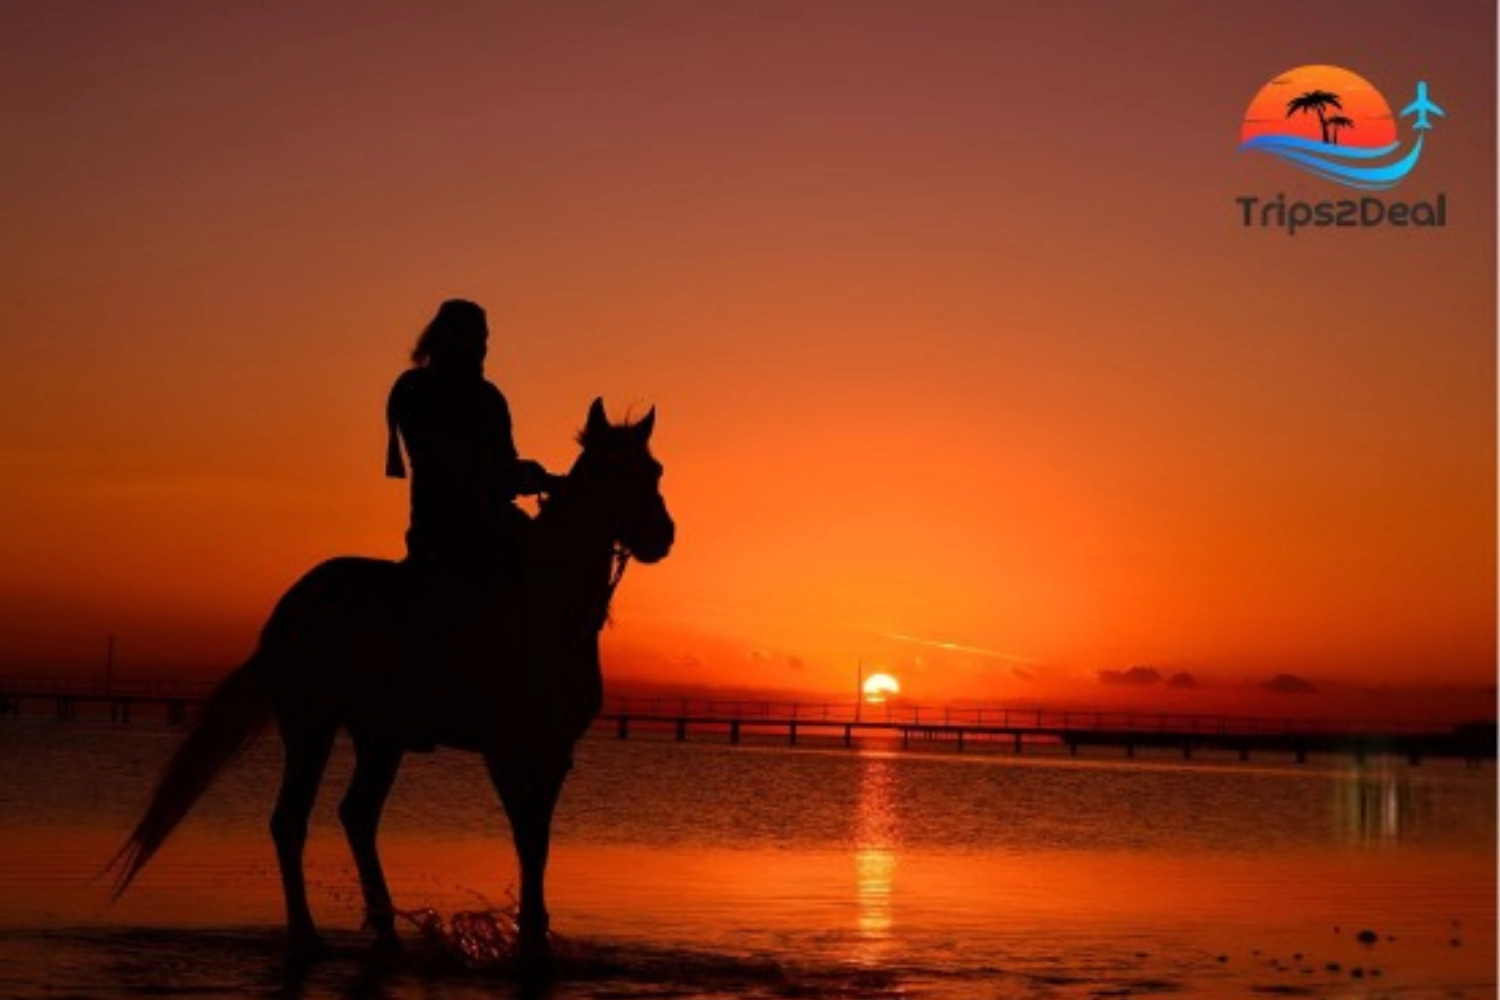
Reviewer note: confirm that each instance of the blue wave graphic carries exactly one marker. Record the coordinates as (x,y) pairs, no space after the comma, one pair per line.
(1343,164)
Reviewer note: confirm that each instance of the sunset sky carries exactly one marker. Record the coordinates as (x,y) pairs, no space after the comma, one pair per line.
(965,366)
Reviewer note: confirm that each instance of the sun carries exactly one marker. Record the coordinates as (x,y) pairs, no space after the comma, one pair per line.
(879,687)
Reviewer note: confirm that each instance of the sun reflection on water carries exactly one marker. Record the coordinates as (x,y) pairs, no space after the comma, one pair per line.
(876,839)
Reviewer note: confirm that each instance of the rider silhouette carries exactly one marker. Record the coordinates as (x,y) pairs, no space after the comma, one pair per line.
(465,472)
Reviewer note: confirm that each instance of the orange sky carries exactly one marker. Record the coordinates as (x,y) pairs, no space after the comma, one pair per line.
(956,372)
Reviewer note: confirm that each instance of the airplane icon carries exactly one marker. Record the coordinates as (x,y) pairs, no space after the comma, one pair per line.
(1422,107)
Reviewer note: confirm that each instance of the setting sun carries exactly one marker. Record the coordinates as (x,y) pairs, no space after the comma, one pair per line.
(878,687)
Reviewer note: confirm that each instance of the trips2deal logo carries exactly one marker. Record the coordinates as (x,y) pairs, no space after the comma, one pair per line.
(1335,125)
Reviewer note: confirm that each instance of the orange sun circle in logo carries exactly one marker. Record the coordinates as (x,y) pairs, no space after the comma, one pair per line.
(1324,104)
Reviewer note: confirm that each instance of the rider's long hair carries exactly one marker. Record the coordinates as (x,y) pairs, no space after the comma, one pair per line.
(456,337)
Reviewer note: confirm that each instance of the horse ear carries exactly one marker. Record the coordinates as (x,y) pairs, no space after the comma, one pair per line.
(646,425)
(597,422)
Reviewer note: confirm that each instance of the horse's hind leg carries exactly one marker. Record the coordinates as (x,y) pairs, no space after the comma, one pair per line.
(307,747)
(375,765)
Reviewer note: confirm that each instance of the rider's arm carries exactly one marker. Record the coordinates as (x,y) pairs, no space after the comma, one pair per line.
(498,431)
(527,477)
(517,474)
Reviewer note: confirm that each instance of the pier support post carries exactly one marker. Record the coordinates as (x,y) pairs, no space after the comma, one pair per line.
(791,734)
(960,741)
(1072,748)
(1301,754)
(1016,743)
(681,730)
(848,736)
(1244,751)
(734,732)
(1187,749)
(622,728)
(905,739)
(1129,749)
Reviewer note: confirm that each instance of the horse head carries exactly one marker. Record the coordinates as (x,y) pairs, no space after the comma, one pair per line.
(621,480)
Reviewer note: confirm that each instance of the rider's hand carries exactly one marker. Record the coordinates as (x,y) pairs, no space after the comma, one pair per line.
(531,478)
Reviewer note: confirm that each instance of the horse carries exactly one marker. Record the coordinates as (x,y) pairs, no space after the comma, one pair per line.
(508,669)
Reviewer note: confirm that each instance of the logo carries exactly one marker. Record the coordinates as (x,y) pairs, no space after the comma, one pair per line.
(1334,124)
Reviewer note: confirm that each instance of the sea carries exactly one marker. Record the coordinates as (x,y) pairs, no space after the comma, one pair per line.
(704,870)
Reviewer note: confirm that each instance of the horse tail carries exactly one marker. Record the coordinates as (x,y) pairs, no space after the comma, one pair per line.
(237,711)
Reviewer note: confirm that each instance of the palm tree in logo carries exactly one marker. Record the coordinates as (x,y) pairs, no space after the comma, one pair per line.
(1336,123)
(1316,101)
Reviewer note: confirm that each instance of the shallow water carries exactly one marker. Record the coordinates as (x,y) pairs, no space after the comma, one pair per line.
(759,871)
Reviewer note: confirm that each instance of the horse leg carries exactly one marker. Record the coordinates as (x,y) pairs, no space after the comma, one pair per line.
(306,755)
(529,794)
(375,766)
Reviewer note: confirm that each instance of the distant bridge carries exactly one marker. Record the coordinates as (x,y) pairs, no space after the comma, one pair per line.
(118,700)
(1019,729)
(842,723)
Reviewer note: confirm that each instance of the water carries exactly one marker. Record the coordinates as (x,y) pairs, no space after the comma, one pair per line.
(759,871)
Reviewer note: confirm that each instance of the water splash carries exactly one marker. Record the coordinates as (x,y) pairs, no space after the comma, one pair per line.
(477,938)
(484,940)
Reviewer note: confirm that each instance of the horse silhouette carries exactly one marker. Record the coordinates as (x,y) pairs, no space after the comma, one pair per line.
(507,667)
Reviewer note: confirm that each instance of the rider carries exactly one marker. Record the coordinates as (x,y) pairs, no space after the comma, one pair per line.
(465,469)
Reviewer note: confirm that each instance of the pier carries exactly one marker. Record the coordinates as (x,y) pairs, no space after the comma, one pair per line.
(1017,730)
(793,723)
(70,699)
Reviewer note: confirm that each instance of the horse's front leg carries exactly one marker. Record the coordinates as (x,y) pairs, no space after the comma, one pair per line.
(375,766)
(529,793)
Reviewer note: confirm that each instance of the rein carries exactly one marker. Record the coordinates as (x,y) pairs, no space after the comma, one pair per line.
(616,574)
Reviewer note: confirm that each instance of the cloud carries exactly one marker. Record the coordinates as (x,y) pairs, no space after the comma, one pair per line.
(1024,675)
(767,657)
(1289,684)
(1182,681)
(1134,677)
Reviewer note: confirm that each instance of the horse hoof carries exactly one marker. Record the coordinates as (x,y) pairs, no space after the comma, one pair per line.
(536,973)
(304,944)
(534,962)
(387,941)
